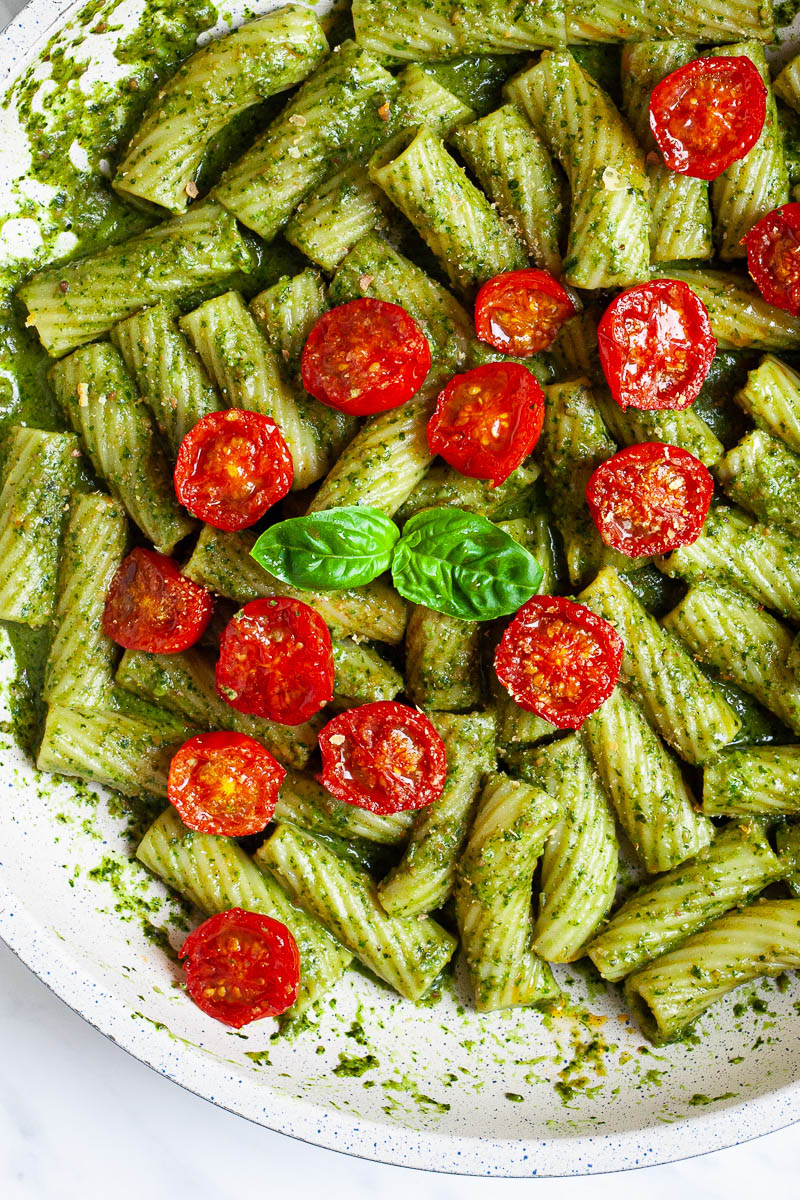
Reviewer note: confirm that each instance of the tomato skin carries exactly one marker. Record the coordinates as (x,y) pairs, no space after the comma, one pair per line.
(559,660)
(385,757)
(365,357)
(241,967)
(151,606)
(650,499)
(773,257)
(276,661)
(707,115)
(521,312)
(232,467)
(225,784)
(656,345)
(487,420)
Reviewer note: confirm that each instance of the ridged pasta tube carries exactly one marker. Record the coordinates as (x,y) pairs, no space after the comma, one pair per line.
(787,840)
(101,403)
(471,242)
(222,79)
(670,994)
(362,675)
(703,21)
(741,319)
(288,311)
(752,186)
(342,210)
(609,232)
(754,781)
(443,670)
(516,727)
(386,459)
(515,170)
(348,205)
(168,372)
(536,535)
(247,372)
(445,29)
(407,953)
(305,802)
(423,100)
(793,661)
(771,397)
(335,114)
(222,562)
(741,641)
(183,684)
(130,754)
(763,475)
(652,802)
(574,352)
(215,874)
(763,561)
(443,487)
(787,84)
(680,216)
(79,301)
(679,701)
(372,268)
(579,865)
(729,873)
(40,468)
(675,427)
(493,895)
(574,441)
(80,665)
(424,877)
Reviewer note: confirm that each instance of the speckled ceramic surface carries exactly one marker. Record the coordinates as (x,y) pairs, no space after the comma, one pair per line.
(437,1087)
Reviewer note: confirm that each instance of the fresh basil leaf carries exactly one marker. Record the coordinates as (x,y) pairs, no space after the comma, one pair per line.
(328,550)
(461,564)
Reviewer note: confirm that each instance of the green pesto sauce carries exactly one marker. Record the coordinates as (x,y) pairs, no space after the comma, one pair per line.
(352,1066)
(699,1098)
(785,12)
(726,375)
(261,1058)
(407,1086)
(30,647)
(83,203)
(477,80)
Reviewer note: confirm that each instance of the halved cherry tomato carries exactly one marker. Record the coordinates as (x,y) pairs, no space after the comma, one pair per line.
(650,499)
(520,312)
(385,757)
(233,466)
(559,660)
(276,661)
(656,345)
(241,967)
(708,114)
(773,257)
(365,357)
(225,784)
(151,606)
(487,420)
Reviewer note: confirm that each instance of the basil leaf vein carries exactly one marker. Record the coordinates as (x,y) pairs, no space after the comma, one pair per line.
(461,564)
(330,550)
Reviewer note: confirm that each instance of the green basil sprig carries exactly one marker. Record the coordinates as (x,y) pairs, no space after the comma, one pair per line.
(461,564)
(329,550)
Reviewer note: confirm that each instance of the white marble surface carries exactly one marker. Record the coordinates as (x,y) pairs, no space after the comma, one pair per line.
(79,1119)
